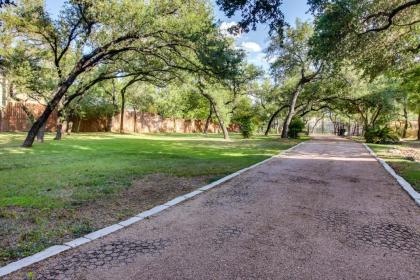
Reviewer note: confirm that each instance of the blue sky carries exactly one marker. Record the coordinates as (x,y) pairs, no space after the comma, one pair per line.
(254,42)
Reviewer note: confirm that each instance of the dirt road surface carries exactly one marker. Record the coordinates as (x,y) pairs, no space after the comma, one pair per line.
(325,210)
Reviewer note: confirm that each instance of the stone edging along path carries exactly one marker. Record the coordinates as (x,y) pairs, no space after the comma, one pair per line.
(403,183)
(57,249)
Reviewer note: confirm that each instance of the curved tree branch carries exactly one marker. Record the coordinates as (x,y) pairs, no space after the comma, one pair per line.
(389,16)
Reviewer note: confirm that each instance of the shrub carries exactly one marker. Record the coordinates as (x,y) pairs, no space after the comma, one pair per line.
(296,126)
(379,135)
(246,126)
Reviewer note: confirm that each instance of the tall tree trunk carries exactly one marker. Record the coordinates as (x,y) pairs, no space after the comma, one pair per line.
(221,123)
(59,126)
(375,116)
(334,122)
(33,131)
(135,121)
(292,104)
(122,111)
(277,126)
(31,117)
(78,125)
(28,112)
(270,122)
(316,123)
(404,133)
(41,121)
(418,126)
(69,127)
(110,118)
(290,114)
(40,134)
(59,131)
(272,118)
(206,127)
(69,121)
(109,123)
(365,126)
(215,111)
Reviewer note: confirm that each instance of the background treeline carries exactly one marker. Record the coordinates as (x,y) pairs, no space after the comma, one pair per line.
(357,63)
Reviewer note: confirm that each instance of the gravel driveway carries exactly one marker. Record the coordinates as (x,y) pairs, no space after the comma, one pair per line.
(326,210)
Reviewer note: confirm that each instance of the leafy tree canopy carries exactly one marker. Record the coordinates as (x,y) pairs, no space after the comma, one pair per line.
(373,35)
(255,11)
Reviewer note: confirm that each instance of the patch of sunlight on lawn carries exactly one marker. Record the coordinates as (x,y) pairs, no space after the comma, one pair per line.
(79,147)
(234,154)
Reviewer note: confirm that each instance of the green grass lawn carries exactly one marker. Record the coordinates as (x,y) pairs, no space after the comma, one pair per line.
(59,190)
(403,158)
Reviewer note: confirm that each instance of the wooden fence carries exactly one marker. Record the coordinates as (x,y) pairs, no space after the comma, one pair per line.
(135,122)
(14,118)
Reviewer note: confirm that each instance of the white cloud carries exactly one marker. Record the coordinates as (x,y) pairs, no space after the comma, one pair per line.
(251,47)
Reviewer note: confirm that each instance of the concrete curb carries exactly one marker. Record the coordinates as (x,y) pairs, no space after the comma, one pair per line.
(401,181)
(57,249)
(49,252)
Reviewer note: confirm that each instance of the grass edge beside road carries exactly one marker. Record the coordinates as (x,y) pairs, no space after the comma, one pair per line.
(406,168)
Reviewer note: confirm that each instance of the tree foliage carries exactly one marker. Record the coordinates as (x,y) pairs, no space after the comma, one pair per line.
(373,35)
(358,60)
(254,12)
(296,126)
(293,66)
(90,35)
